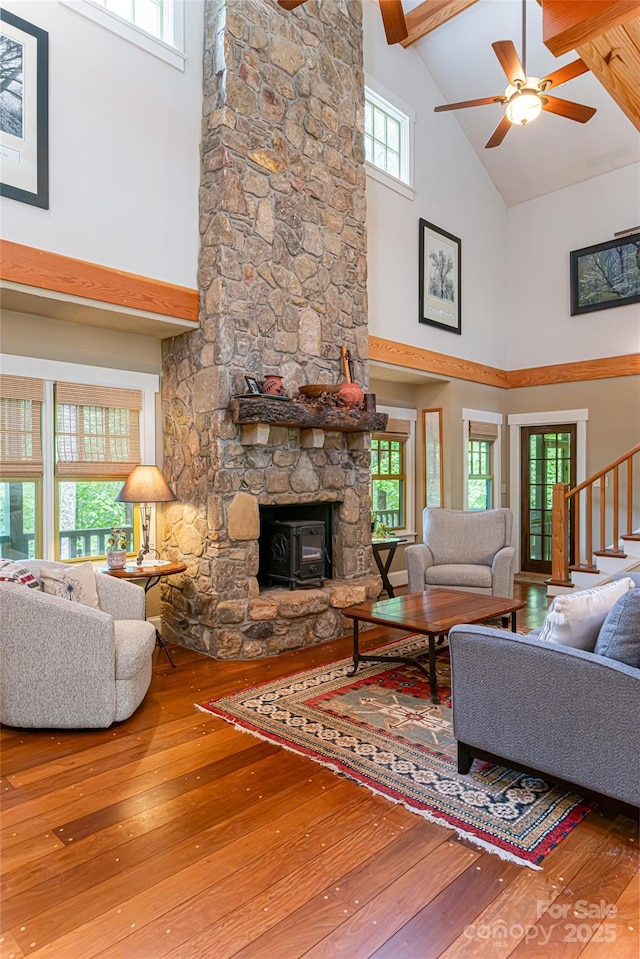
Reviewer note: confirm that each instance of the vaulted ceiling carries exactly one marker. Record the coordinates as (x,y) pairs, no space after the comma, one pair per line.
(454,37)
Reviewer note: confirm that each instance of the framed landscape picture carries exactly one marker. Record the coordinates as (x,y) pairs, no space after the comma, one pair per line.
(439,278)
(605,275)
(24,122)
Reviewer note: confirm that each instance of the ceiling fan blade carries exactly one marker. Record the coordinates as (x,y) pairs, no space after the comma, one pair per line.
(567,108)
(498,134)
(395,25)
(567,72)
(468,103)
(509,60)
(290,4)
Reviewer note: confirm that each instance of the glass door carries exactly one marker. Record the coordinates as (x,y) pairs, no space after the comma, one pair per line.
(548,456)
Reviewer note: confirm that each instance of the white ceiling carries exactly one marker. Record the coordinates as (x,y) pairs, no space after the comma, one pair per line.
(552,152)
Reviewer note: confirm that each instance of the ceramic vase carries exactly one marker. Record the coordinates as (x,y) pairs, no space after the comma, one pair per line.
(273,385)
(351,394)
(116,558)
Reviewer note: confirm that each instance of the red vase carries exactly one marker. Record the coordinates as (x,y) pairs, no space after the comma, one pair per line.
(351,394)
(273,385)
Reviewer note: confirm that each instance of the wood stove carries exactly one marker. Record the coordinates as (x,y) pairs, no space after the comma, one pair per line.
(293,552)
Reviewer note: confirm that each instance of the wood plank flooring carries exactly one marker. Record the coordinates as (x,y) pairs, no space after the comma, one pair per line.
(174,835)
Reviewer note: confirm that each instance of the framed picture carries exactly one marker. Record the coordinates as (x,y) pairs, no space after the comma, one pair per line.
(439,278)
(252,384)
(605,275)
(24,109)
(432,457)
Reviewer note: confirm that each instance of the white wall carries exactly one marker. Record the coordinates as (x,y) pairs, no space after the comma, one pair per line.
(124,133)
(542,233)
(453,191)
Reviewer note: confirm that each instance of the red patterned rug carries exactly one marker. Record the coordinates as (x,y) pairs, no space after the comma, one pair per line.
(381,729)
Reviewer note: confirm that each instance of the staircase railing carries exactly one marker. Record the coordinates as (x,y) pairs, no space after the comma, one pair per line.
(573,507)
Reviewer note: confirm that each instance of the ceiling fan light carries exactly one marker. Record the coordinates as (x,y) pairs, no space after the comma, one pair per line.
(522,108)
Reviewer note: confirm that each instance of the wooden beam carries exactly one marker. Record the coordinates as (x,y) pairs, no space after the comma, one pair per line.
(427,361)
(431,14)
(416,358)
(44,270)
(581,370)
(614,58)
(568,24)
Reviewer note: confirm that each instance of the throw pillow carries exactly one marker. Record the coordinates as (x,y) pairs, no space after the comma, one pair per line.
(575,618)
(75,583)
(619,637)
(11,572)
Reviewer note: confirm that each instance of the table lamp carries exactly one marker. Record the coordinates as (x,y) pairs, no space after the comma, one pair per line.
(145,485)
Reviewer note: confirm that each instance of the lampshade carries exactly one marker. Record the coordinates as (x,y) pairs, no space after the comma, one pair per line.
(523,108)
(145,484)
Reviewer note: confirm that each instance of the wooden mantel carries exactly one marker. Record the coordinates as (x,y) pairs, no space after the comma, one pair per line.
(295,413)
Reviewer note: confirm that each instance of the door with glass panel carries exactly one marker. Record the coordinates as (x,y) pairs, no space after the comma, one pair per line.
(548,456)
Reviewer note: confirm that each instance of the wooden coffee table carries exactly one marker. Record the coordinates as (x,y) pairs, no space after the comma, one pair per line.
(431,614)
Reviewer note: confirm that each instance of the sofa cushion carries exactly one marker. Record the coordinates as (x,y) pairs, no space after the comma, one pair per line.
(575,619)
(458,574)
(619,637)
(12,572)
(75,583)
(135,639)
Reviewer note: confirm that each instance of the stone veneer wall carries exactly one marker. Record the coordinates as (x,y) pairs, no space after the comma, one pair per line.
(282,279)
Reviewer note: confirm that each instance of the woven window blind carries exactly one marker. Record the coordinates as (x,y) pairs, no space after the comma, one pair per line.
(396,430)
(21,400)
(483,431)
(97,430)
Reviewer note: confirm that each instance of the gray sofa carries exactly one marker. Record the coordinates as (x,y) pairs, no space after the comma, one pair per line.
(470,551)
(564,712)
(66,665)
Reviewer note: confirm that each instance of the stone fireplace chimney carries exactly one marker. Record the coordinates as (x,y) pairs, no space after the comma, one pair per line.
(282,280)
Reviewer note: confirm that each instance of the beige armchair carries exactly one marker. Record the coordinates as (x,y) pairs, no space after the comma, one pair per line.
(67,665)
(470,551)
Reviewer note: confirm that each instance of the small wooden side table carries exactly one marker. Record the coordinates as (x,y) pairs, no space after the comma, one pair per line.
(388,545)
(152,575)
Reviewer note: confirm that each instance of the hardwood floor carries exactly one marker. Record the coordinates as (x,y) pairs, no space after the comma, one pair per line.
(175,835)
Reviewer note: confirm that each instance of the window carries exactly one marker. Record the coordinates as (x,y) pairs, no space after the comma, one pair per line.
(480,475)
(65,450)
(156,26)
(20,465)
(149,15)
(389,474)
(388,139)
(97,445)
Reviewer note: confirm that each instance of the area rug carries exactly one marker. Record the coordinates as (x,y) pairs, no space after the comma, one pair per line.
(380,728)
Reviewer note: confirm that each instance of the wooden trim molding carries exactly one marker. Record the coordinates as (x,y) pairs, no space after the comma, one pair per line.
(416,358)
(598,369)
(44,270)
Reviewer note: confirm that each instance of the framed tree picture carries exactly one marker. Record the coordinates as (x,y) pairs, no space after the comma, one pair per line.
(24,107)
(439,278)
(605,275)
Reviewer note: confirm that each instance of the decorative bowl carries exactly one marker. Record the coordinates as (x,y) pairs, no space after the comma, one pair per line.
(318,388)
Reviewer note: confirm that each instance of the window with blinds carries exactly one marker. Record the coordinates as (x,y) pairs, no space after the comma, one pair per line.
(21,465)
(97,430)
(388,474)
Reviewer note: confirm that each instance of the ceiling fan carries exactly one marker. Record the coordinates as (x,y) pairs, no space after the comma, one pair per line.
(526,96)
(395,26)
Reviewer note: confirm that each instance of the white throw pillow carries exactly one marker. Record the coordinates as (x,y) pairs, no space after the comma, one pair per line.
(574,619)
(75,583)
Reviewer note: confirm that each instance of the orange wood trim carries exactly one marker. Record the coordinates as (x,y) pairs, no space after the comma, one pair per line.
(574,372)
(431,14)
(64,274)
(416,358)
(566,24)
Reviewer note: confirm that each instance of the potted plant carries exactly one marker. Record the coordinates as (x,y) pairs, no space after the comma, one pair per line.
(117,548)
